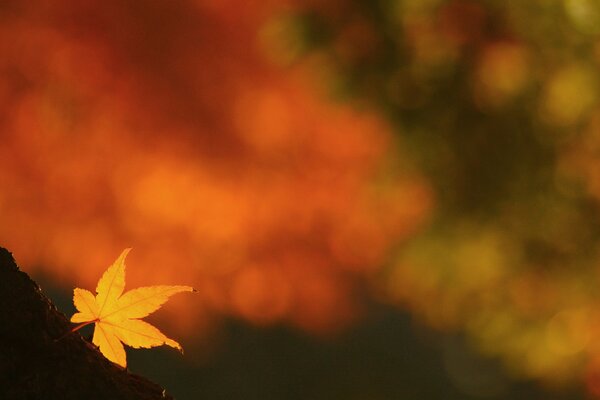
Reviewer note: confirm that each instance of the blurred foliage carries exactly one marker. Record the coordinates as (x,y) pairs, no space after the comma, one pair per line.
(497,103)
(290,159)
(163,126)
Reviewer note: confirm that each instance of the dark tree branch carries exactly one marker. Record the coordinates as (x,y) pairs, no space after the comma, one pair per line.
(35,365)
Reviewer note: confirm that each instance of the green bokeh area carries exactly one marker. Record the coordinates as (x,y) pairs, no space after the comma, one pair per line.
(497,104)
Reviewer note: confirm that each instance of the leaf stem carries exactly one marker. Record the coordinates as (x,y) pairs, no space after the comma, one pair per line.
(75,329)
(78,327)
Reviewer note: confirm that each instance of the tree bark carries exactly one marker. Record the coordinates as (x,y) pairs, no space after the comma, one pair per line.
(40,359)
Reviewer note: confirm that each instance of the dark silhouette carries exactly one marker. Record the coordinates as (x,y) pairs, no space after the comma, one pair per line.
(40,359)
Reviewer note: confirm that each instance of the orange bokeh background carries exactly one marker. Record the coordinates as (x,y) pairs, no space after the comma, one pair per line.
(173,128)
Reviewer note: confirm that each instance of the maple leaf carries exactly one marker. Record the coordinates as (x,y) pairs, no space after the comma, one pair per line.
(115,314)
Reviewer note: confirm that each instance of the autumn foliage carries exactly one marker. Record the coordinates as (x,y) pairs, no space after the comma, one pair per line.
(500,103)
(116,314)
(171,128)
(291,159)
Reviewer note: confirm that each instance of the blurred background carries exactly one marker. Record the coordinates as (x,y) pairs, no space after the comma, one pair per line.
(376,199)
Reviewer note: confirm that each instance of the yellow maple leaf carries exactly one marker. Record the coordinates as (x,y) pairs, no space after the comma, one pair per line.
(116,314)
